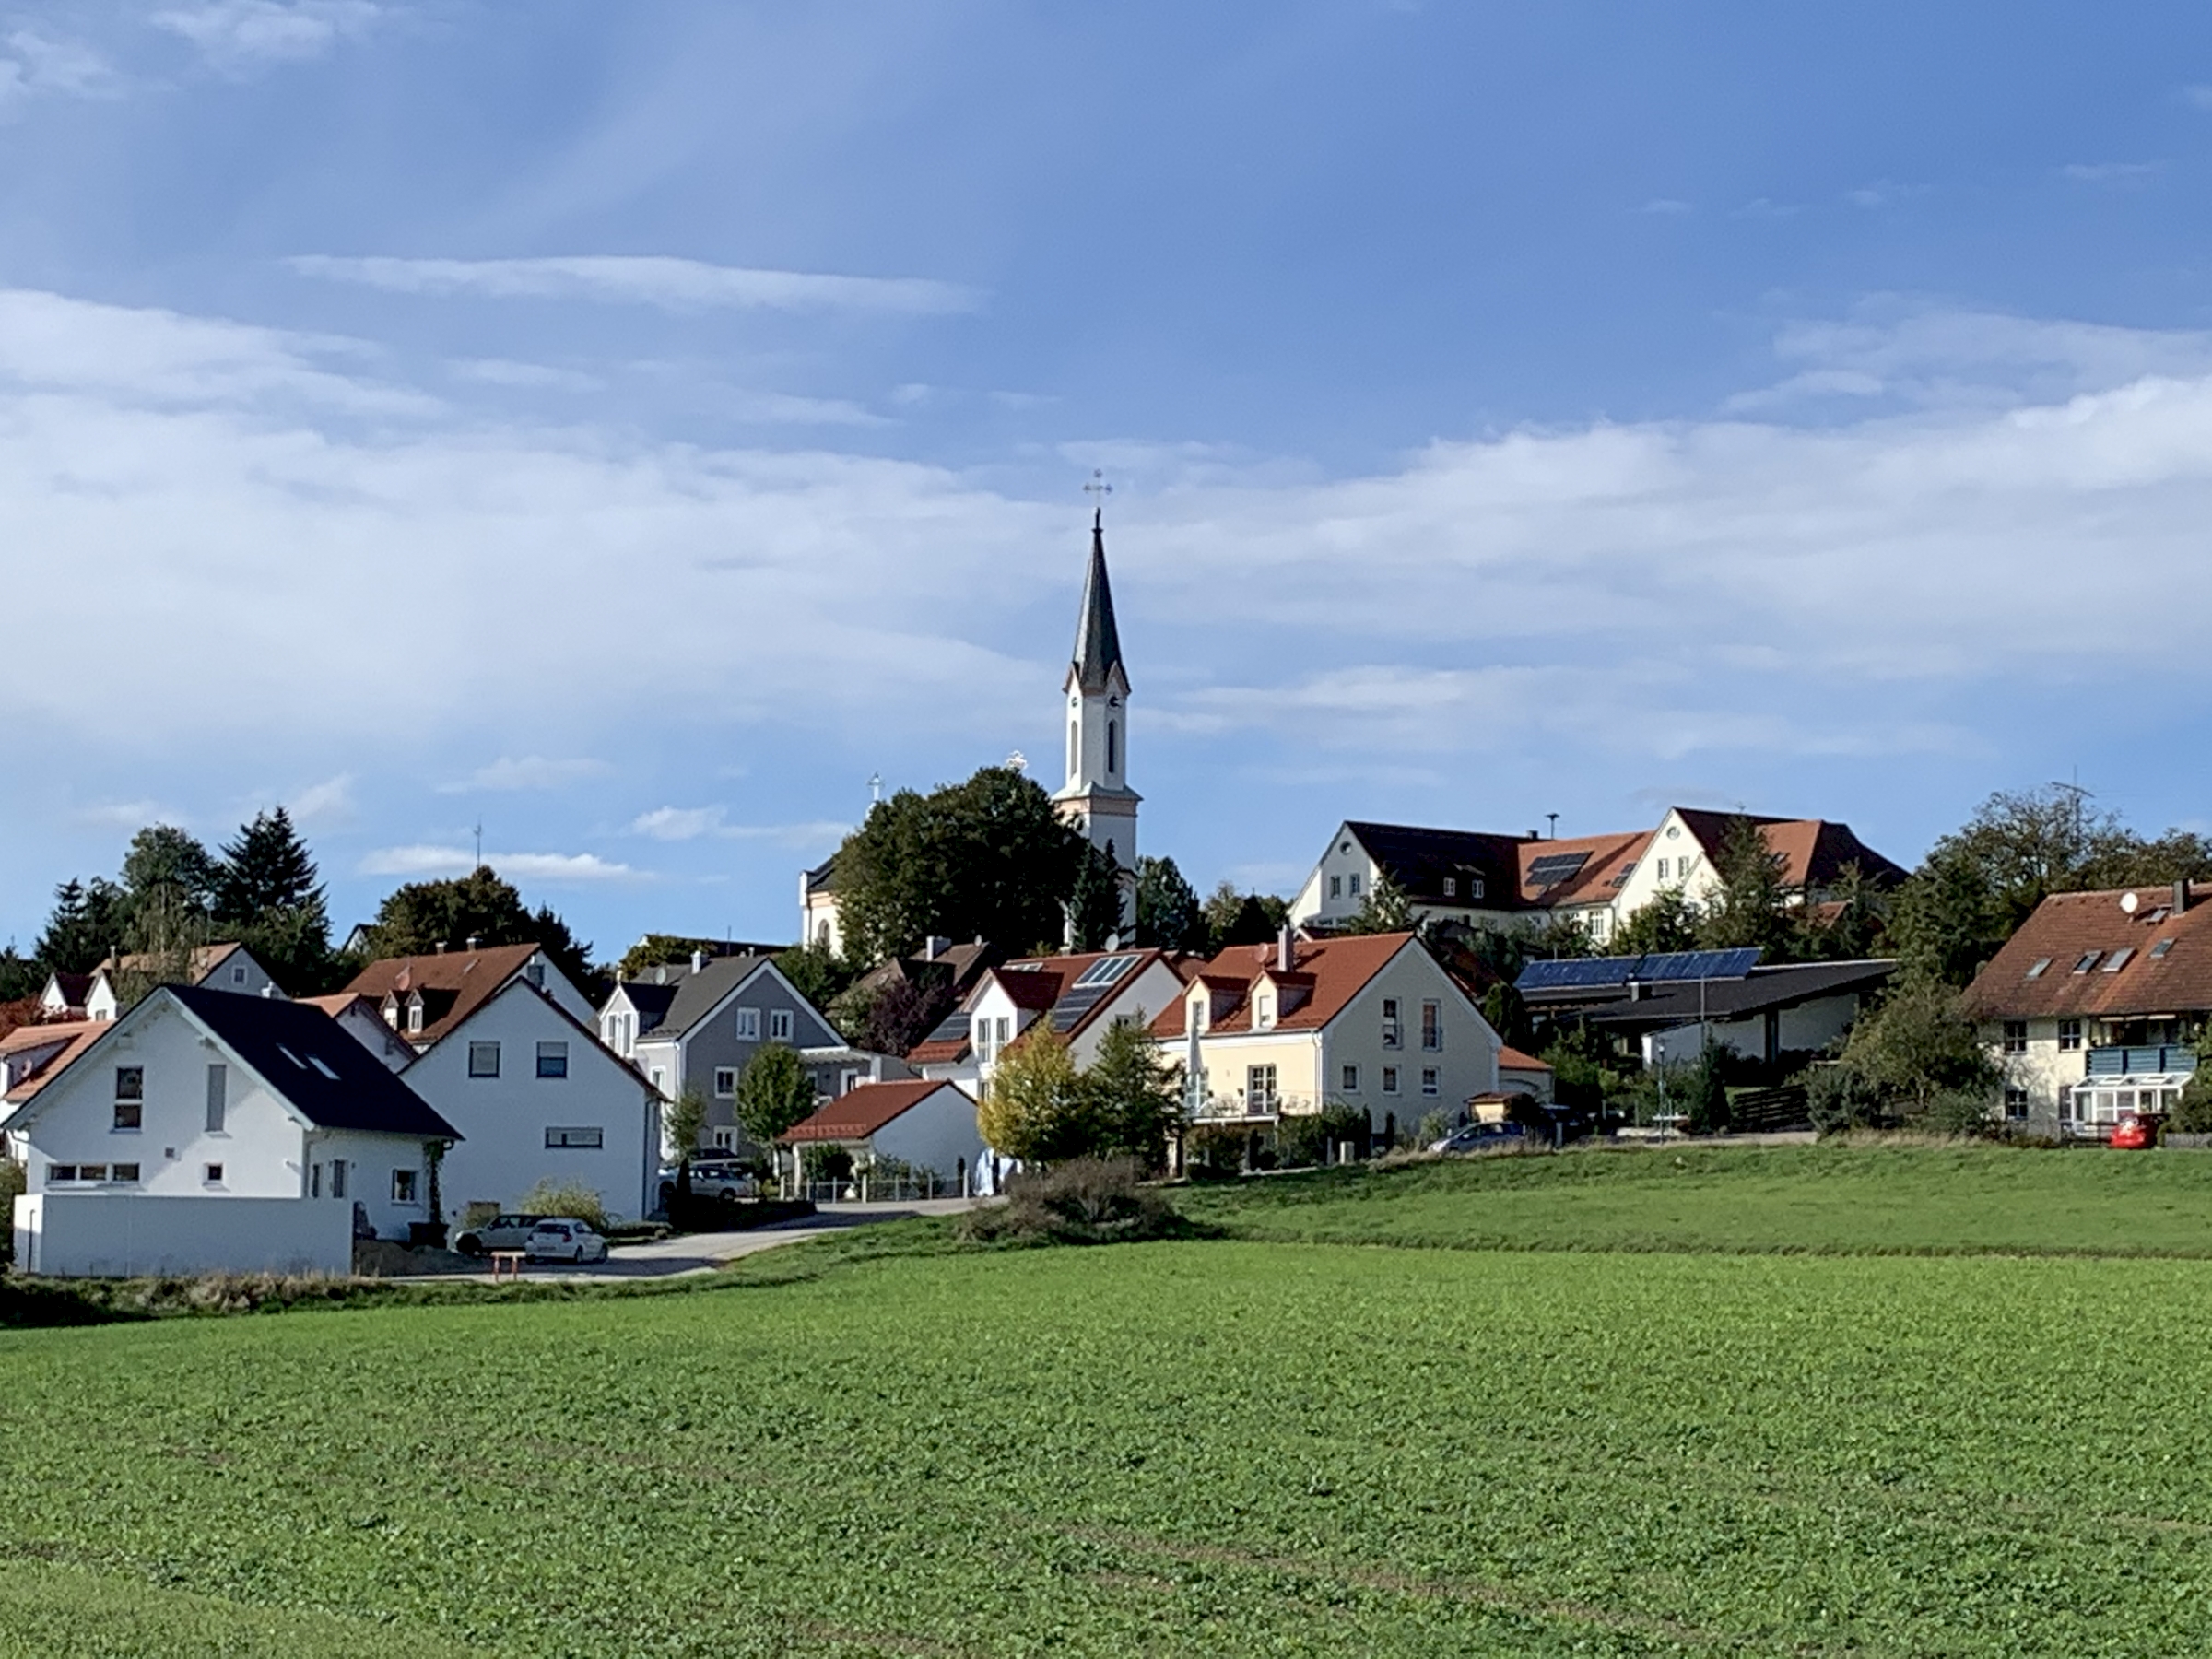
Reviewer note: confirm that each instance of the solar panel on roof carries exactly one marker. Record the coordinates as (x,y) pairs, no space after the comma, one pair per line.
(1104,971)
(1071,1008)
(1660,968)
(953,1029)
(1555,867)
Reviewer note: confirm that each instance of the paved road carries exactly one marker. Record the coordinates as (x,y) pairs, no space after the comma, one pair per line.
(702,1252)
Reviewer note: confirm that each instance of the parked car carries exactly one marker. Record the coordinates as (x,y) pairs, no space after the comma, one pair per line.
(2137,1131)
(726,1178)
(565,1239)
(1480,1137)
(501,1233)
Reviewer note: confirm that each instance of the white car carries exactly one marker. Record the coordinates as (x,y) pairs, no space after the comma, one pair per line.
(564,1238)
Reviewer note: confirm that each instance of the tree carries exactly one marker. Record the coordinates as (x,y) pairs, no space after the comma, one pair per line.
(86,924)
(1168,913)
(1507,1013)
(19,978)
(1919,1045)
(773,1094)
(1853,929)
(815,973)
(686,1120)
(1383,909)
(893,1015)
(269,894)
(1134,1097)
(1094,909)
(990,858)
(1750,906)
(1234,918)
(1025,1112)
(425,916)
(1667,922)
(166,861)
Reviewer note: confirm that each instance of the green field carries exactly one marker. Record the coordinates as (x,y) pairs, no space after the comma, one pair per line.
(1223,1446)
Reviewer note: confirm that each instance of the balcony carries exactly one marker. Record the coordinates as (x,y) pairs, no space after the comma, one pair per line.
(2161,1060)
(1247,1109)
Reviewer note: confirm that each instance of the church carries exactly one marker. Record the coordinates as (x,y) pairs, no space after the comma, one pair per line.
(1094,796)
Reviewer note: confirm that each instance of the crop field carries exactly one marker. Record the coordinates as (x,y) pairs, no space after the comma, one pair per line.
(1216,1447)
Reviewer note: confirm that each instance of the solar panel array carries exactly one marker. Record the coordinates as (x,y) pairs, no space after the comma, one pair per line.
(1555,867)
(1104,971)
(1663,967)
(953,1029)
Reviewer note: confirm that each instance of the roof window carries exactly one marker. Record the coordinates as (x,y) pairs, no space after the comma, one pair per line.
(293,1057)
(2158,951)
(316,1061)
(2042,963)
(2089,961)
(2119,959)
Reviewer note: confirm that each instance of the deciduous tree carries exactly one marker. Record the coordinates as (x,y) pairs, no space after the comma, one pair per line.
(1033,1095)
(425,916)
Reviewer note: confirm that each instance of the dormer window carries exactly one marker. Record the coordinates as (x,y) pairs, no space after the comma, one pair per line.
(392,1012)
(1450,886)
(1262,1012)
(414,1016)
(1195,1011)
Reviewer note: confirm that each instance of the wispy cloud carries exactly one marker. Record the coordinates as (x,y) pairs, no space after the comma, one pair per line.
(2199,96)
(502,371)
(691,823)
(676,284)
(126,815)
(1760,208)
(2119,174)
(237,35)
(422,862)
(527,771)
(1883,193)
(1664,205)
(329,802)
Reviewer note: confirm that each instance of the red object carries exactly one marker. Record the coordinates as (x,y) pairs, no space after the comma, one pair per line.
(2134,1134)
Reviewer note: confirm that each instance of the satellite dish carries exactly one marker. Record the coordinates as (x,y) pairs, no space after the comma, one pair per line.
(2128,902)
(1017,762)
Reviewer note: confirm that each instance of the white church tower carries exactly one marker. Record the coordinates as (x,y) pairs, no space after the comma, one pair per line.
(1097,798)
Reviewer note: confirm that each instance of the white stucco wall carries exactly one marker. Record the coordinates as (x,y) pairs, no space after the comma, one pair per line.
(121,1235)
(936,1132)
(505,1119)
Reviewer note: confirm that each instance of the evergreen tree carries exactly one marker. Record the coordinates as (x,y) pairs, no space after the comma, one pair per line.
(269,895)
(1094,909)
(1234,918)
(87,921)
(1752,907)
(1168,913)
(1133,1097)
(1507,1013)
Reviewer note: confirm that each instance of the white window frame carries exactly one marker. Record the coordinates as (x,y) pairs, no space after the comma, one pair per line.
(2070,1036)
(477,1051)
(748,1025)
(779,1025)
(407,1188)
(1390,1080)
(219,1097)
(557,1053)
(723,1073)
(1432,1080)
(1432,1026)
(1349,1077)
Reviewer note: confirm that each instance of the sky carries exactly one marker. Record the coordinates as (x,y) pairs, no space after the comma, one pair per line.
(632,429)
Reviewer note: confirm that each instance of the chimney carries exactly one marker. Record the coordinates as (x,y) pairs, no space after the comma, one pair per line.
(472,940)
(1284,955)
(1635,990)
(2180,895)
(441,947)
(698,961)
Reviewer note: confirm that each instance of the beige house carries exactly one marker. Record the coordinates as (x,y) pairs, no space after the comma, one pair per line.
(1369,1021)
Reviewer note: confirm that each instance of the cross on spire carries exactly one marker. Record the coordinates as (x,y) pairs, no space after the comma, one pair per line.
(1097,489)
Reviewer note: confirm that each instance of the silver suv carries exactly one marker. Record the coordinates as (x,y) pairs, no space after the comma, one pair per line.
(501,1233)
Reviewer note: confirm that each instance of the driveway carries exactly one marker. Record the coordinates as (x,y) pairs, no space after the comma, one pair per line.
(703,1252)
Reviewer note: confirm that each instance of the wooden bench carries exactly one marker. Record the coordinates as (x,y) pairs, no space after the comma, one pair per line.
(506,1264)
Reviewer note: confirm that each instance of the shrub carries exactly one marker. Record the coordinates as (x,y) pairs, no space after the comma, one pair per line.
(1956,1111)
(11,1188)
(573,1198)
(1215,1151)
(1300,1141)
(478,1214)
(1083,1201)
(1838,1098)
(1434,1128)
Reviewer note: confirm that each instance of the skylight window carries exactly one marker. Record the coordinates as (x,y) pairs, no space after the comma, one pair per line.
(2089,961)
(2158,951)
(316,1061)
(2119,959)
(293,1057)
(2042,963)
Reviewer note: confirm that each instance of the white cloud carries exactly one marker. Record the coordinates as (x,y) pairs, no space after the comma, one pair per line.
(329,802)
(236,35)
(499,371)
(678,823)
(691,823)
(2124,173)
(528,771)
(47,65)
(421,862)
(676,285)
(126,815)
(1883,193)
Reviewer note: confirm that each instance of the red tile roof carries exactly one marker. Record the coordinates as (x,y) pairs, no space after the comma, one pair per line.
(460,979)
(2067,927)
(1814,851)
(81,1035)
(1339,967)
(861,1111)
(1608,857)
(1512,1059)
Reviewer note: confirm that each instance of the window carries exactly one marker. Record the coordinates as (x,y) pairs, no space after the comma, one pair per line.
(2087,961)
(483,1059)
(1352,884)
(536,975)
(725,1140)
(1195,1012)
(748,1025)
(124,1172)
(1450,886)
(129,1115)
(1390,1079)
(392,1014)
(1335,887)
(1113,749)
(1259,1088)
(654,1077)
(2070,1036)
(1002,1033)
(237,976)
(1391,1034)
(403,1186)
(2015,1037)
(323,1065)
(1071,749)
(414,1017)
(337,1178)
(2016,1102)
(779,1025)
(725,1082)
(314,1182)
(552,1059)
(219,1097)
(1663,869)
(1432,1026)
(2039,967)
(1474,886)
(578,1140)
(2119,959)
(2158,951)
(60,1174)
(92,1171)
(1429,1080)
(1263,1013)
(212,1175)
(130,1082)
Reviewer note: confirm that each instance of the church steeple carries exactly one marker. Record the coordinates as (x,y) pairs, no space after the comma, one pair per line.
(1098,640)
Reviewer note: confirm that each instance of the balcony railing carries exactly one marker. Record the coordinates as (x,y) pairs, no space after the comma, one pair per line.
(2168,1059)
(1257,1108)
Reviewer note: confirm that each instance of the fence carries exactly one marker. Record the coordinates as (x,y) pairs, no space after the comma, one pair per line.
(869,1189)
(1765,1111)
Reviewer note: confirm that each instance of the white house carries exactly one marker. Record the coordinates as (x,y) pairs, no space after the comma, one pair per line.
(1369,1021)
(537,1096)
(202,1131)
(362,1020)
(928,1126)
(229,967)
(1079,995)
(422,997)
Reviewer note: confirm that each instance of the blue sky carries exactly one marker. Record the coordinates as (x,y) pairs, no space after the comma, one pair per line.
(631,428)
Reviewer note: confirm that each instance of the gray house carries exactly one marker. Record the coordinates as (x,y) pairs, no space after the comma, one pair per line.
(699,1025)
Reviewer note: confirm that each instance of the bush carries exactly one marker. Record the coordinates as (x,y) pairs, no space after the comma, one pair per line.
(1083,1200)
(1837,1099)
(1956,1111)
(1215,1151)
(12,1179)
(478,1214)
(571,1198)
(1300,1141)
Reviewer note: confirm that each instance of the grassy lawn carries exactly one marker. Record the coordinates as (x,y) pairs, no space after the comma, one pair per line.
(1222,1447)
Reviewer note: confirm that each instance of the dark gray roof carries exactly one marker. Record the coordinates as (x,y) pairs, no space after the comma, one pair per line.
(1098,640)
(652,999)
(332,1079)
(1781,986)
(1420,859)
(696,994)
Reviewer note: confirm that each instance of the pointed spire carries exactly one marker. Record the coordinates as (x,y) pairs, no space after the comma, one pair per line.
(1098,641)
